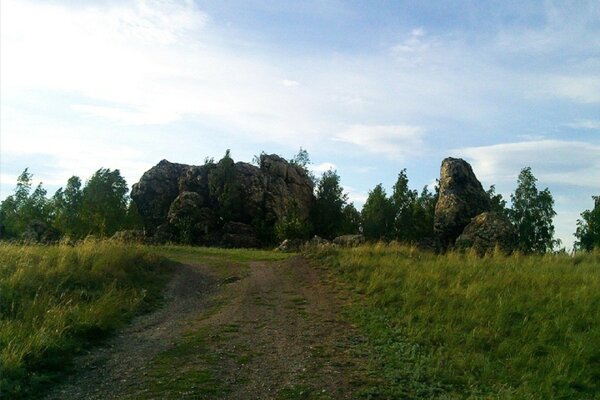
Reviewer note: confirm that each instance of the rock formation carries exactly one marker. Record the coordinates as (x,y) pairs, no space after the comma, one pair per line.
(461,197)
(224,203)
(486,231)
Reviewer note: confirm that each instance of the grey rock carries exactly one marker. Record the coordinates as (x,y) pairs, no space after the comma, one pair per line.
(486,231)
(461,197)
(349,240)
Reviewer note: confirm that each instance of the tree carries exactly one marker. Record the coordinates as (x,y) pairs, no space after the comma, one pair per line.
(403,202)
(104,203)
(351,219)
(378,215)
(423,215)
(302,160)
(22,208)
(497,202)
(66,204)
(327,214)
(532,213)
(588,228)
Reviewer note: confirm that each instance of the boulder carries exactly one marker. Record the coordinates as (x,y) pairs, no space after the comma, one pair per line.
(290,245)
(461,197)
(40,232)
(176,203)
(486,231)
(155,192)
(237,235)
(189,219)
(349,240)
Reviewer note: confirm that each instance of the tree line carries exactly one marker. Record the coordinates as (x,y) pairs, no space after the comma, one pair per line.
(102,207)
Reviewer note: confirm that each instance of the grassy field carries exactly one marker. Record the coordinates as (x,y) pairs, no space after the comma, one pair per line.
(56,300)
(460,326)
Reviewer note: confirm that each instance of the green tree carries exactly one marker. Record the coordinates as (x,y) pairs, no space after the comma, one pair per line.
(22,208)
(588,228)
(423,215)
(532,213)
(302,160)
(497,202)
(104,203)
(378,215)
(327,214)
(66,204)
(403,202)
(351,219)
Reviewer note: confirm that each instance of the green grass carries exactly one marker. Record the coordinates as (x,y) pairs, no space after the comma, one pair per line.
(191,255)
(56,300)
(460,326)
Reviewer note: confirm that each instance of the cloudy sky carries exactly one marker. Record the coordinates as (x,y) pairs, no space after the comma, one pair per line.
(368,88)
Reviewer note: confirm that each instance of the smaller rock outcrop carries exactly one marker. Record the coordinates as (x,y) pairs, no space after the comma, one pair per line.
(486,231)
(461,197)
(349,240)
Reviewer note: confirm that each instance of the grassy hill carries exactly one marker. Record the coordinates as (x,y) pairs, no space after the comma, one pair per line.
(461,326)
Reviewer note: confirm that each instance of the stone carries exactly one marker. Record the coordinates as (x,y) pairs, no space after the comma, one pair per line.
(239,235)
(461,197)
(290,245)
(177,199)
(155,192)
(486,231)
(40,232)
(349,240)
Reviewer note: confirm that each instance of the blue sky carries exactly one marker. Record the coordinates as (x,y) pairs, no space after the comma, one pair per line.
(368,88)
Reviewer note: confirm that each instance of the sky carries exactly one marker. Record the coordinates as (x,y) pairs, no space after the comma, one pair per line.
(367,88)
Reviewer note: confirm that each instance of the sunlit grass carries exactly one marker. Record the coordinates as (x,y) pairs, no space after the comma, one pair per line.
(54,300)
(460,326)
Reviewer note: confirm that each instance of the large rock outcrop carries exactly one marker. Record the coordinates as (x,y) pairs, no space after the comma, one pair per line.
(461,197)
(486,231)
(194,204)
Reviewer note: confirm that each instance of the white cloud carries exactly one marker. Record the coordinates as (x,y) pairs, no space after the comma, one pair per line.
(355,196)
(394,141)
(552,161)
(592,124)
(581,89)
(322,167)
(290,83)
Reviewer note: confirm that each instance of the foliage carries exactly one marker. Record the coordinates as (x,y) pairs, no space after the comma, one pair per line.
(532,213)
(327,214)
(292,226)
(67,206)
(56,299)
(458,326)
(423,215)
(351,220)
(403,202)
(497,202)
(225,189)
(302,160)
(104,203)
(588,228)
(378,215)
(22,208)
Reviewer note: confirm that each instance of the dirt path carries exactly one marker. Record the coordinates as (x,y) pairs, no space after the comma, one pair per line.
(275,333)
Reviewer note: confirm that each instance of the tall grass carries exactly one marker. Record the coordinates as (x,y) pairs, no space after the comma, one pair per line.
(54,300)
(460,326)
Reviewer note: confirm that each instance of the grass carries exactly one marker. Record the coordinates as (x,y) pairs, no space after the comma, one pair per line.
(57,300)
(460,326)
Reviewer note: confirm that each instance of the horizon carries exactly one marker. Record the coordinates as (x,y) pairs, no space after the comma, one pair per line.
(365,90)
